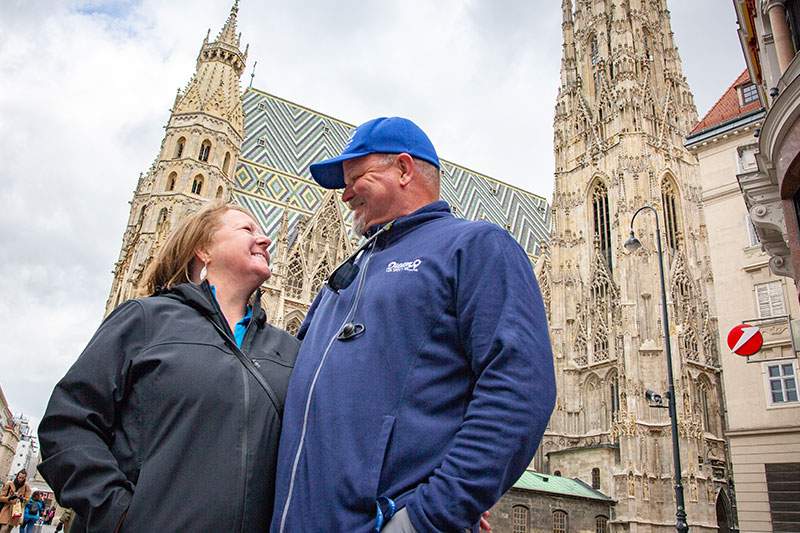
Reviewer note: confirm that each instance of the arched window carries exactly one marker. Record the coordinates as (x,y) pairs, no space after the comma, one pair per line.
(559,522)
(669,199)
(319,277)
(162,225)
(519,519)
(219,192)
(595,478)
(600,524)
(205,150)
(557,473)
(293,326)
(226,163)
(703,404)
(171,179)
(179,147)
(294,277)
(602,220)
(614,390)
(197,184)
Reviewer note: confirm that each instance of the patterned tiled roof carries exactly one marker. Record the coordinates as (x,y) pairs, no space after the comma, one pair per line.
(283,138)
(727,107)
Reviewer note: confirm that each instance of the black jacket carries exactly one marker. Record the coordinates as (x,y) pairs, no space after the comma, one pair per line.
(159,418)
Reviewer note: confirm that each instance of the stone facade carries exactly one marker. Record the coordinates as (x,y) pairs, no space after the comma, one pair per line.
(9,437)
(538,510)
(770,41)
(760,431)
(622,113)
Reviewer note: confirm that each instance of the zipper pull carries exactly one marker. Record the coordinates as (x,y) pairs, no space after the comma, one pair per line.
(257,365)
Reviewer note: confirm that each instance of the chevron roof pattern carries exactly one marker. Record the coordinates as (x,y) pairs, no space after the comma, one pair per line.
(283,138)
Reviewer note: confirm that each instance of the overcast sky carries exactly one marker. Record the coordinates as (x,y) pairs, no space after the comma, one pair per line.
(86,87)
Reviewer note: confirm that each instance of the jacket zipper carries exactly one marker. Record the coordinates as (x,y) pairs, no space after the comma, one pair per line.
(350,314)
(227,334)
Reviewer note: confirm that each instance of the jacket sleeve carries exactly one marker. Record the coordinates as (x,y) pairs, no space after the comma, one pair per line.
(503,331)
(77,430)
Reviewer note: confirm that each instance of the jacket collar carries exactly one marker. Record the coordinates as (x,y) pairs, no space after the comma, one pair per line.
(201,298)
(404,224)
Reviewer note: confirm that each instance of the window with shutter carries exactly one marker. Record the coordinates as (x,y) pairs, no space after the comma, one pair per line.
(769,299)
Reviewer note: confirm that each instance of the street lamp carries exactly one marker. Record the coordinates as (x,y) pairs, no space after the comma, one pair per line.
(633,244)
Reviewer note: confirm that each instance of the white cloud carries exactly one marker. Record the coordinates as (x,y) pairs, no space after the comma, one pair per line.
(85,88)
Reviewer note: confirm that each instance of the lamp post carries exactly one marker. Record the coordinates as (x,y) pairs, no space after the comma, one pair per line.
(633,244)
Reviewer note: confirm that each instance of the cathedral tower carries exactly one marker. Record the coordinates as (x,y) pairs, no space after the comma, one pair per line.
(196,161)
(622,112)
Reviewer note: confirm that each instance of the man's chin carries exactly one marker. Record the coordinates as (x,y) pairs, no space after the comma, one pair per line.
(359,227)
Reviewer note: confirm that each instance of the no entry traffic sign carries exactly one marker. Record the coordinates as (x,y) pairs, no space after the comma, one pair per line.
(745,340)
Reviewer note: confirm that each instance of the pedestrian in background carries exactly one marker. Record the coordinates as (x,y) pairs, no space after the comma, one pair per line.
(33,510)
(170,418)
(14,493)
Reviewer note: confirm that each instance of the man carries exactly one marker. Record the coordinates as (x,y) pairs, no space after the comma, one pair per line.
(425,379)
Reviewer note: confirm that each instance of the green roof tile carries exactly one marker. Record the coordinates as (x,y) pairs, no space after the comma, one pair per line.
(558,485)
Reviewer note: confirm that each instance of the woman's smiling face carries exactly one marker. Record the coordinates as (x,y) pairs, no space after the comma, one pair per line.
(239,249)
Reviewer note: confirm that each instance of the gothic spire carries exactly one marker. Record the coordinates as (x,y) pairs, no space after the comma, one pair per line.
(228,34)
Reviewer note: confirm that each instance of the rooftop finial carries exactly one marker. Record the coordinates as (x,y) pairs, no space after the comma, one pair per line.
(229,34)
(253,73)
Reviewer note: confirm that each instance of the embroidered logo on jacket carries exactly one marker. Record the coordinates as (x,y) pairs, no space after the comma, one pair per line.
(408,266)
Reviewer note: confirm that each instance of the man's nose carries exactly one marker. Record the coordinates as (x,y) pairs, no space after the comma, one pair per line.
(347,194)
(263,239)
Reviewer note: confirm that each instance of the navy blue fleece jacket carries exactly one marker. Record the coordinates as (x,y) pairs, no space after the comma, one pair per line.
(440,404)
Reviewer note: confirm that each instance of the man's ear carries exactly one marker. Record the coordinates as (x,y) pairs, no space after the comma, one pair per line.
(407,167)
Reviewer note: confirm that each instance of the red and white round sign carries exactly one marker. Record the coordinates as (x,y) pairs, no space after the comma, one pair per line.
(745,339)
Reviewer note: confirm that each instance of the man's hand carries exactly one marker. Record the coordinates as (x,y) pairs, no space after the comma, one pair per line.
(485,526)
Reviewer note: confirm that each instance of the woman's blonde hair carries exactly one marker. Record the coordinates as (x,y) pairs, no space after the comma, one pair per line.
(173,263)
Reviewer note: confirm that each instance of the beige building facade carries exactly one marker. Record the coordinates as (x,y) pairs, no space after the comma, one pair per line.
(622,113)
(9,437)
(762,407)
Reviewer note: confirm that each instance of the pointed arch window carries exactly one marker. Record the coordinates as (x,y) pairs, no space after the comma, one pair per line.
(602,220)
(594,50)
(227,163)
(323,270)
(219,192)
(703,404)
(294,277)
(179,147)
(293,326)
(171,179)
(205,150)
(197,184)
(162,225)
(601,524)
(614,390)
(671,205)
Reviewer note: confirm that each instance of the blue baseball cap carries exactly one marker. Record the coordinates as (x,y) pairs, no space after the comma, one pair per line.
(384,135)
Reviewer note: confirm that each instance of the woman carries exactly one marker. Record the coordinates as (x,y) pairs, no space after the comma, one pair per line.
(169,420)
(16,490)
(33,509)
